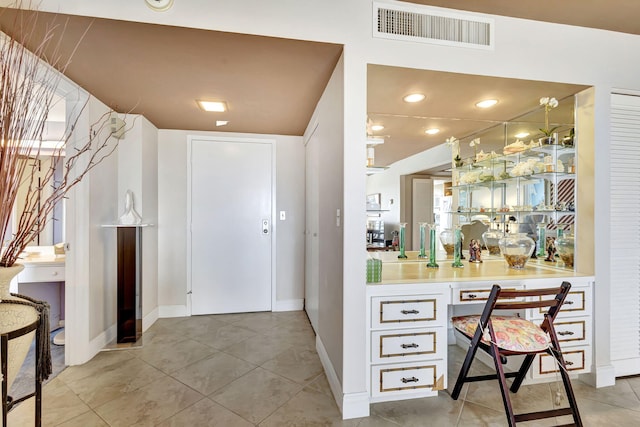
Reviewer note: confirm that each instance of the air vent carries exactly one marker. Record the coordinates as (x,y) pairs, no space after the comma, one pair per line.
(431,25)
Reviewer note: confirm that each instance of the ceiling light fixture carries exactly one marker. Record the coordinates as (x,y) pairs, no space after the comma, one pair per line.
(213,106)
(159,5)
(432,131)
(487,103)
(377,127)
(522,135)
(414,97)
(222,122)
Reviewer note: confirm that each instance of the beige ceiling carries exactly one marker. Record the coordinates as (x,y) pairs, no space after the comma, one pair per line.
(272,85)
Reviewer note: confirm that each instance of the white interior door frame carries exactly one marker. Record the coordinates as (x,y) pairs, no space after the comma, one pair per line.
(272,142)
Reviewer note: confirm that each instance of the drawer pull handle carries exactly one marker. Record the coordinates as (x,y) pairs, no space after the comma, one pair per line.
(568,302)
(409,312)
(472,296)
(412,345)
(563,333)
(55,273)
(568,363)
(410,380)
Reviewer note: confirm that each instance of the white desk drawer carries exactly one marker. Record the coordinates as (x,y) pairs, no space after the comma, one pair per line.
(408,345)
(408,311)
(573,331)
(390,380)
(577,303)
(477,295)
(41,274)
(577,359)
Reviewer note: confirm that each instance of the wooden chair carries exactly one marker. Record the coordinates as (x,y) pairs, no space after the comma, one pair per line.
(503,336)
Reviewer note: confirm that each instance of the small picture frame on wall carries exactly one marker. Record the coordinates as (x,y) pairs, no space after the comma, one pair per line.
(373,201)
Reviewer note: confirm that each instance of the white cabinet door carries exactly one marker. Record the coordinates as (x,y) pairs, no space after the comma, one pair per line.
(230,231)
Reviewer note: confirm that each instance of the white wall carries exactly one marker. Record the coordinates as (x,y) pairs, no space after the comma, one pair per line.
(172,220)
(138,172)
(327,120)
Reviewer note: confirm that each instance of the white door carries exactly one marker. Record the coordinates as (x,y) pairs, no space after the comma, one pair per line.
(312,251)
(230,231)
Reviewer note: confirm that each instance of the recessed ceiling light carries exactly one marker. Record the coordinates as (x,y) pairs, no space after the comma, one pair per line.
(377,127)
(487,103)
(214,106)
(414,97)
(432,131)
(222,122)
(522,135)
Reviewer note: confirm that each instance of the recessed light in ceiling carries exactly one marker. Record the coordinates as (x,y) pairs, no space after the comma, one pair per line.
(377,127)
(432,131)
(222,122)
(487,103)
(213,106)
(159,5)
(414,97)
(522,135)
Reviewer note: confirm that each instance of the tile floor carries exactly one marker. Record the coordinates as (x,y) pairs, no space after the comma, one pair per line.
(262,369)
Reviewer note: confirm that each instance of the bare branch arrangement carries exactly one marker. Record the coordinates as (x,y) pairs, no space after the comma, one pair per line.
(28,84)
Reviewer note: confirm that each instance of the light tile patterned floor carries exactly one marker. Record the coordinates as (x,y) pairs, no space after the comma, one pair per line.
(262,369)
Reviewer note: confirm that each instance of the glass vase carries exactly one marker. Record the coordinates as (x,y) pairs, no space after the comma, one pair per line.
(491,239)
(403,226)
(542,247)
(432,247)
(565,247)
(457,248)
(517,249)
(447,238)
(423,239)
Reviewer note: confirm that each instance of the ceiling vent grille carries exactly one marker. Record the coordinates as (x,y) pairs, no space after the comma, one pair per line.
(430,25)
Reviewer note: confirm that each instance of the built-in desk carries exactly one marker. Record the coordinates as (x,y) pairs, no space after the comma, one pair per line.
(43,278)
(409,324)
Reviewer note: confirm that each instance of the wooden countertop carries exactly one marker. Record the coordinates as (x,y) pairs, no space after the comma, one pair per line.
(414,270)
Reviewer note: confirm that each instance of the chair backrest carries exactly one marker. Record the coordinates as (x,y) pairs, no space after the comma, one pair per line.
(512,299)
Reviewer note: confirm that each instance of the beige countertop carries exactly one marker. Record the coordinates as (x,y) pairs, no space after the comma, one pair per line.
(414,270)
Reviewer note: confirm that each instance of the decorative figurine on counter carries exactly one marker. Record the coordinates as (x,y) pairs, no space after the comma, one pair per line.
(551,249)
(475,251)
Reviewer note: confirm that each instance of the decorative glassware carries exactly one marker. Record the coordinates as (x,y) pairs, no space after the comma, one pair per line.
(432,247)
(542,246)
(565,247)
(490,239)
(403,226)
(423,238)
(447,238)
(516,249)
(457,248)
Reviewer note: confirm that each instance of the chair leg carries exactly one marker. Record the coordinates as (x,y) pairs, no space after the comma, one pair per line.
(466,366)
(522,372)
(504,389)
(573,404)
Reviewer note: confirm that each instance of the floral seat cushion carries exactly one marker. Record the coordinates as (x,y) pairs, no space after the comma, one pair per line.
(512,333)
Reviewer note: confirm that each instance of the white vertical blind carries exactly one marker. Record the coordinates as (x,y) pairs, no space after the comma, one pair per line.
(625,234)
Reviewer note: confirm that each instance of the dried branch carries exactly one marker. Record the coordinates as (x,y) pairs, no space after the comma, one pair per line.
(28,84)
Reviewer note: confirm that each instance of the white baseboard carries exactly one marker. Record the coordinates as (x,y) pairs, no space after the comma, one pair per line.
(173,311)
(150,319)
(355,405)
(352,405)
(605,376)
(289,305)
(96,345)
